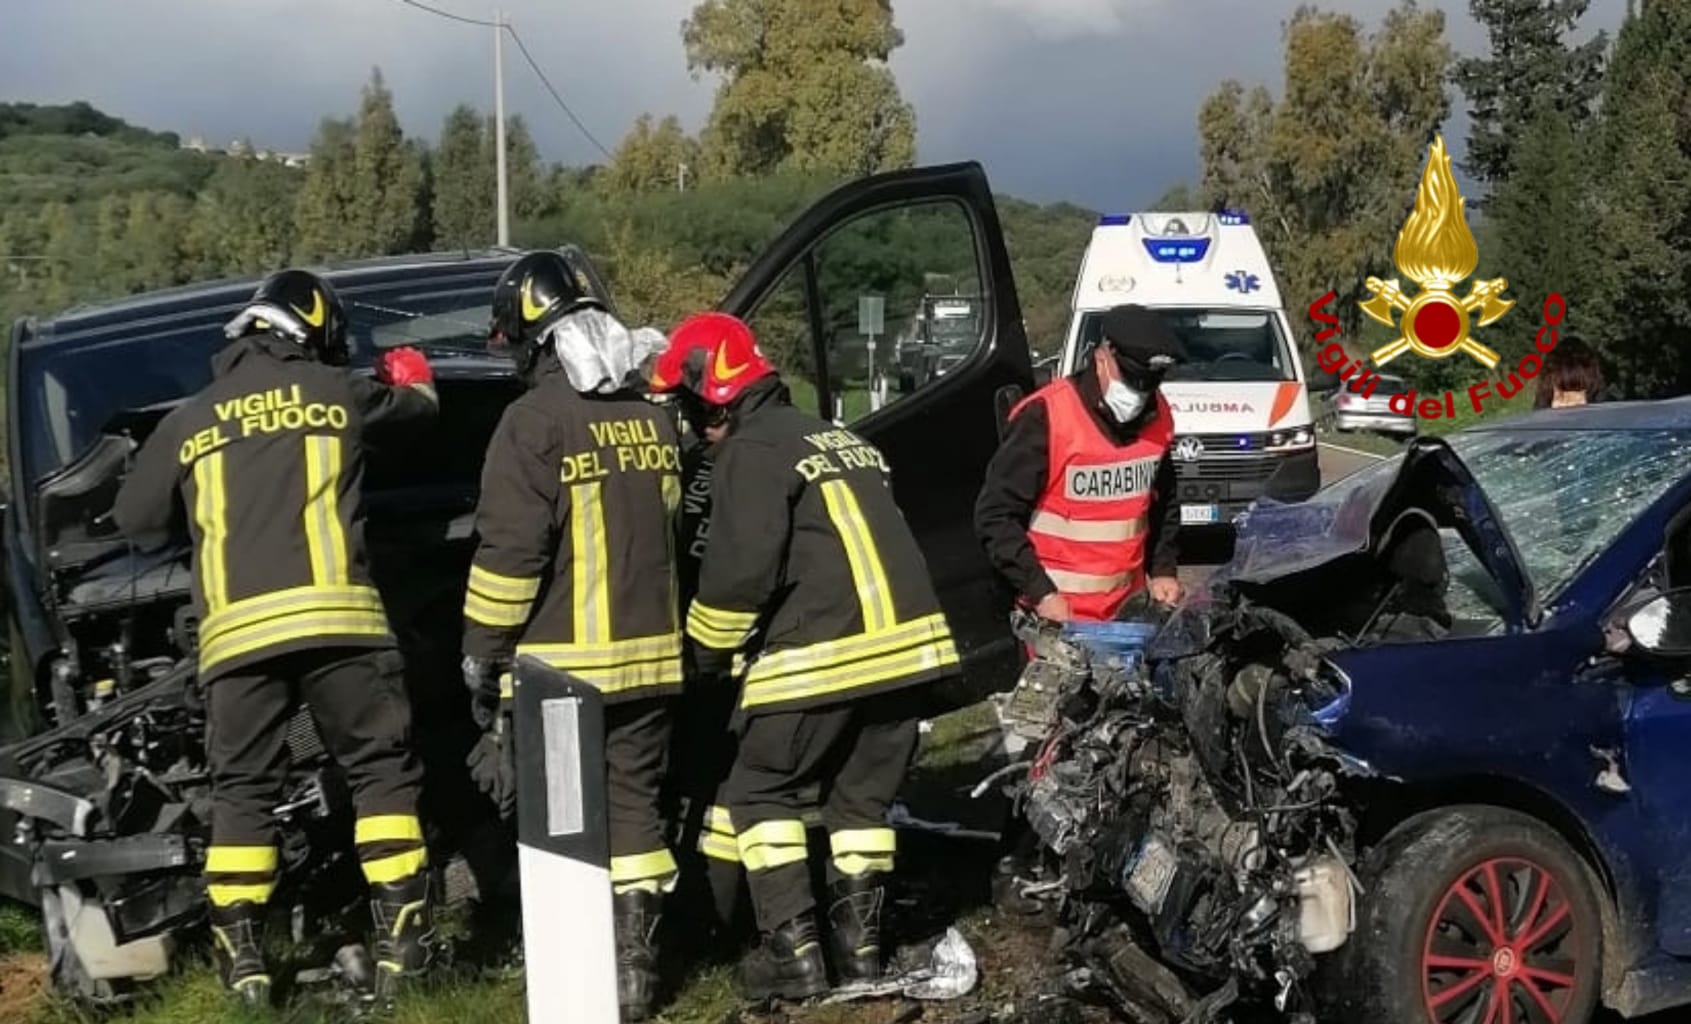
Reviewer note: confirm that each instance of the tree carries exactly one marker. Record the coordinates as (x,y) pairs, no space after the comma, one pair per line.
(1641,195)
(1541,218)
(1530,67)
(385,214)
(650,158)
(1329,171)
(158,223)
(320,213)
(805,86)
(1178,198)
(234,227)
(529,195)
(463,201)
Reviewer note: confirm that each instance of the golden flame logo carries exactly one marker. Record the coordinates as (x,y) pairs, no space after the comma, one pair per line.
(1436,250)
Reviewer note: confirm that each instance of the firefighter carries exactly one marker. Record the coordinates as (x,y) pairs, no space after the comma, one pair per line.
(576,567)
(704,742)
(265,468)
(1080,499)
(811,576)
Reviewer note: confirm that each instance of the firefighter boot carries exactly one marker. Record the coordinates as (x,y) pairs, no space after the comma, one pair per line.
(237,934)
(855,919)
(637,917)
(788,964)
(402,914)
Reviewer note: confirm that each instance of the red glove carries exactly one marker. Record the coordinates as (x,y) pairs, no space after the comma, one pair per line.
(404,367)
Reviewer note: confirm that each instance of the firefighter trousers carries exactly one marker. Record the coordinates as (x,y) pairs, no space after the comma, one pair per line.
(356,698)
(703,753)
(859,752)
(637,736)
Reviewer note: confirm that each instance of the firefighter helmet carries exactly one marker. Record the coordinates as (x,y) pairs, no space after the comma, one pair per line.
(713,355)
(534,293)
(301,307)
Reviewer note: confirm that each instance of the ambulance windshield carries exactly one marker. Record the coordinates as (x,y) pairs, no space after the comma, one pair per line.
(1221,345)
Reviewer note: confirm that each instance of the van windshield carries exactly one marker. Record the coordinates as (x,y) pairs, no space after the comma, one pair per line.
(1221,344)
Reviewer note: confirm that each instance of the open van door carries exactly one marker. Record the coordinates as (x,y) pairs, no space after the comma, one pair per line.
(837,304)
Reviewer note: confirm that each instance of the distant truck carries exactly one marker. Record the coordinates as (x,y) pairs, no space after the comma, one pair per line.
(942,335)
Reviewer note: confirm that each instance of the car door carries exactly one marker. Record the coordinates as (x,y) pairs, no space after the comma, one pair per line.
(838,305)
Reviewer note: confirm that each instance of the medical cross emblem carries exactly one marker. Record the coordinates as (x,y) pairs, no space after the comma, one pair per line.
(1243,281)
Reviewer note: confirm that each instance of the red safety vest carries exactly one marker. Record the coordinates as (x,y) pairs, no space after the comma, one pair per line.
(1089,526)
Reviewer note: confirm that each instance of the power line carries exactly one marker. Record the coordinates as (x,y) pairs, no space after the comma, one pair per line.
(551,89)
(449,14)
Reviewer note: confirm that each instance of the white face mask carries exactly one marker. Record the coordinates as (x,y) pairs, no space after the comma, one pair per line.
(1125,403)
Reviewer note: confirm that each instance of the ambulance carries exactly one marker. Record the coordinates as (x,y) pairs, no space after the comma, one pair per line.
(1242,422)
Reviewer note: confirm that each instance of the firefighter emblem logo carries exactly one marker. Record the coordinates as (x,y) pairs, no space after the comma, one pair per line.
(1437,251)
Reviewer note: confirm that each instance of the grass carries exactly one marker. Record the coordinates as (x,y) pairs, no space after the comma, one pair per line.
(946,870)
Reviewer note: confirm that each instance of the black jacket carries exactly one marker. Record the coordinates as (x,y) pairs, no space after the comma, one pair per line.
(697,458)
(265,468)
(1016,478)
(576,563)
(809,554)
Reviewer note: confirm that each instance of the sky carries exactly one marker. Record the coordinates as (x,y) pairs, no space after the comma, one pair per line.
(1089,101)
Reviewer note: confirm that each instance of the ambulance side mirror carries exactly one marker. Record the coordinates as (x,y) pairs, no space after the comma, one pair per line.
(1321,382)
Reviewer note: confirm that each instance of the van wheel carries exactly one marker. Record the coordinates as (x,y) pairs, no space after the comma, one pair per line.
(1473,914)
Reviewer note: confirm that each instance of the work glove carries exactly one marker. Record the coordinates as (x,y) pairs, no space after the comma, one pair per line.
(484,678)
(404,367)
(493,766)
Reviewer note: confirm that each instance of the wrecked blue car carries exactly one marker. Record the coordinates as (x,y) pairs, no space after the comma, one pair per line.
(1419,753)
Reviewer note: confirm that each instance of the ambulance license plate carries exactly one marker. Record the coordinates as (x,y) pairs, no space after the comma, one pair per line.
(1198,515)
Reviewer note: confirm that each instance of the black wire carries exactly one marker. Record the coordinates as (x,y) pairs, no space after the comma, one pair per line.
(449,14)
(549,88)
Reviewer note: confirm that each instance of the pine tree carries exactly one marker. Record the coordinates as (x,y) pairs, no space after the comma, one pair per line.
(463,189)
(322,229)
(385,213)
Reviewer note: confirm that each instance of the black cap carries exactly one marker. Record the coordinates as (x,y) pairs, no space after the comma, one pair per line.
(1141,339)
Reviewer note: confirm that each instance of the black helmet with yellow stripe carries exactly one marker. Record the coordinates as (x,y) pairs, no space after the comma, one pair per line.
(301,307)
(534,293)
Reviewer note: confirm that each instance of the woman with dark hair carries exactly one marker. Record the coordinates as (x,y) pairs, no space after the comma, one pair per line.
(1572,376)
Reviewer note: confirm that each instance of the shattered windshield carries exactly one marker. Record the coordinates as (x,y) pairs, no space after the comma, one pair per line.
(1565,494)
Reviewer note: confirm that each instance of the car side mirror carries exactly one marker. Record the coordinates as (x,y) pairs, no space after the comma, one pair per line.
(1662,626)
(1041,375)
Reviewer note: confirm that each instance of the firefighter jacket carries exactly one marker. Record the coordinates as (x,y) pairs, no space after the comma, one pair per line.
(697,459)
(266,468)
(576,560)
(808,551)
(1089,525)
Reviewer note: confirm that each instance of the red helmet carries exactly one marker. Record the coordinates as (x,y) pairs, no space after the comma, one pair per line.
(713,355)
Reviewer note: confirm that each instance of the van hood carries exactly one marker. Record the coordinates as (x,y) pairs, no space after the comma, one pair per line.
(1228,407)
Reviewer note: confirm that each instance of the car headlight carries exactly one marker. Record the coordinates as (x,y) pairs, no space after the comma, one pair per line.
(1290,440)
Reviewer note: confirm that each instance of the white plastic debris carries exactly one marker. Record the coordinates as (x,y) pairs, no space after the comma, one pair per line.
(951,973)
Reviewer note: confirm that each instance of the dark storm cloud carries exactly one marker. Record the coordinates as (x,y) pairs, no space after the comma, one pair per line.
(1089,100)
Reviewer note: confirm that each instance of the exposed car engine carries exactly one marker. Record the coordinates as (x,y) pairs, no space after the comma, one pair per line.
(1192,810)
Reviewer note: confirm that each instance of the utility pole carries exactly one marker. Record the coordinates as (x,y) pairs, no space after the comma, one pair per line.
(499,128)
(681,177)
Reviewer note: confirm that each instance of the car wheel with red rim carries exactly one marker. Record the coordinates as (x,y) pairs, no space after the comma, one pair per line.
(1473,915)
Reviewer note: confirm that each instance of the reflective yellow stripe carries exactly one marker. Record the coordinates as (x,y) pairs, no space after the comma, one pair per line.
(228,895)
(609,653)
(383,828)
(254,611)
(719,847)
(719,629)
(323,534)
(503,588)
(718,820)
(399,866)
(855,864)
(240,860)
(588,558)
(884,668)
(864,840)
(327,626)
(771,844)
(495,613)
(1100,531)
(656,865)
(211,513)
(874,592)
(615,677)
(929,629)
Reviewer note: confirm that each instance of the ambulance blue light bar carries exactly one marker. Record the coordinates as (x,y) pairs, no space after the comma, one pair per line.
(1115,220)
(1177,250)
(1233,218)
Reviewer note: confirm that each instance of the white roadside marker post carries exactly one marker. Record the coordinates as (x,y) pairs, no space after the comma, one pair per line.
(563,848)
